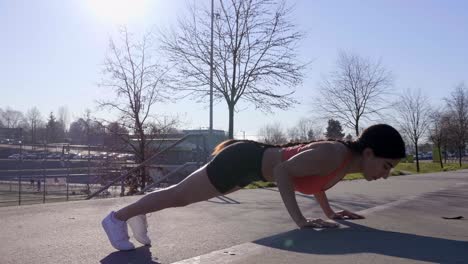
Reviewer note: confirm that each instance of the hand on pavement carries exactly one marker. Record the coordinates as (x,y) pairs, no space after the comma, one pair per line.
(317,223)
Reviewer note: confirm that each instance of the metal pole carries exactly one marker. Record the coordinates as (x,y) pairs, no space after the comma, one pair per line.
(19,190)
(68,169)
(205,150)
(89,169)
(44,175)
(89,156)
(44,190)
(122,188)
(211,69)
(20,171)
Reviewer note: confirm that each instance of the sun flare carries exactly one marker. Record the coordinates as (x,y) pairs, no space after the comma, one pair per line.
(118,11)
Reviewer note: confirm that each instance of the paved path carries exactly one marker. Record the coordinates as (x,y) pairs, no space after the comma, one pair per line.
(404,224)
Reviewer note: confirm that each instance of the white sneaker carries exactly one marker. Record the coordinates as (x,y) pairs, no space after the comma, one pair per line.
(117,232)
(139,226)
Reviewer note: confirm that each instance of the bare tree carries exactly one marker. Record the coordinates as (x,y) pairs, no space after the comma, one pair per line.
(156,128)
(457,104)
(34,119)
(1,118)
(272,134)
(414,117)
(254,53)
(302,131)
(138,83)
(354,91)
(11,118)
(63,117)
(436,132)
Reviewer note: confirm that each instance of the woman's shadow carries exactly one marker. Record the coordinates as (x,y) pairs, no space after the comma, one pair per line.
(139,255)
(356,239)
(362,239)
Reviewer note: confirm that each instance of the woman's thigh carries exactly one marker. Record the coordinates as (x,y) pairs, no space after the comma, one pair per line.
(195,188)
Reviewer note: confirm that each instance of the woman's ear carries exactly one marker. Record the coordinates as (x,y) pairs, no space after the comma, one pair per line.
(368,153)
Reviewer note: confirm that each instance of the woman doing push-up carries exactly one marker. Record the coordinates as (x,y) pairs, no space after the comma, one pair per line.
(309,168)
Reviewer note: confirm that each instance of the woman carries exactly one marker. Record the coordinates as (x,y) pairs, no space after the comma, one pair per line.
(310,168)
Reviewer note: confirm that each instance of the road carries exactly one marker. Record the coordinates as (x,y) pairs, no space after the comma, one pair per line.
(403,224)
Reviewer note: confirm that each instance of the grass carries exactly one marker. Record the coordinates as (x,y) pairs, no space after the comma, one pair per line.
(260,184)
(401,169)
(427,167)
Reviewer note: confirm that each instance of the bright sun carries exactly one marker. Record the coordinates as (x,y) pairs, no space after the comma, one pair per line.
(118,11)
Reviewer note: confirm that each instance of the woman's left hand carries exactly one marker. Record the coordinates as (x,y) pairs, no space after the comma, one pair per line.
(345,215)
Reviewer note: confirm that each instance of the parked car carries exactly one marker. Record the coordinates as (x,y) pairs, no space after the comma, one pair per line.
(14,156)
(425,156)
(30,156)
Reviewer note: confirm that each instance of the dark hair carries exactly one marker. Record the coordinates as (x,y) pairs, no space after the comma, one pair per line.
(383,139)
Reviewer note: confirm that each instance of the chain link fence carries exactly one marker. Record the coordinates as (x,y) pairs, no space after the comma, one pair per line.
(31,174)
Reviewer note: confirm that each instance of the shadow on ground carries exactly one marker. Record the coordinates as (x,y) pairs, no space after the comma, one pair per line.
(223,200)
(139,255)
(362,239)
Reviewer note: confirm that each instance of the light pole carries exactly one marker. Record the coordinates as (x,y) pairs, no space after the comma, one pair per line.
(211,71)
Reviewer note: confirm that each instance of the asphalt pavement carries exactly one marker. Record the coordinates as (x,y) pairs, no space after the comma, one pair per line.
(404,224)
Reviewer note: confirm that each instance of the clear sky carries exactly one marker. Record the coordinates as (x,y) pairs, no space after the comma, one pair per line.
(51,51)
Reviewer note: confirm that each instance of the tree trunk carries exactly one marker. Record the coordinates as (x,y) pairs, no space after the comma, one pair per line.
(445,154)
(440,156)
(142,149)
(356,127)
(143,158)
(460,156)
(231,121)
(417,156)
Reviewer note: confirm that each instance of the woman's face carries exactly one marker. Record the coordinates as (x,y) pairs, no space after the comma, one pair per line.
(374,167)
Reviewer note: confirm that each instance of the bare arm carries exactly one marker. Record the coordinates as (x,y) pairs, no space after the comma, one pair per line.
(286,190)
(309,162)
(322,199)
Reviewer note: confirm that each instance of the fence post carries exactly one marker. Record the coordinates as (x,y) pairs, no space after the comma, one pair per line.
(44,164)
(68,176)
(19,190)
(20,172)
(206,151)
(122,187)
(44,190)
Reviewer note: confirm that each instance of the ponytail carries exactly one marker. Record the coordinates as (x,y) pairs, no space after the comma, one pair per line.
(222,145)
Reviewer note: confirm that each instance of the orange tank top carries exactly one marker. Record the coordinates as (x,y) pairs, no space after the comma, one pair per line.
(311,184)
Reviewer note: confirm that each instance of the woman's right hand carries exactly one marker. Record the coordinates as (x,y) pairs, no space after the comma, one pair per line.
(317,223)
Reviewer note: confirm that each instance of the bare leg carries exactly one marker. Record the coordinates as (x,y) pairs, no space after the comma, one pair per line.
(195,188)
